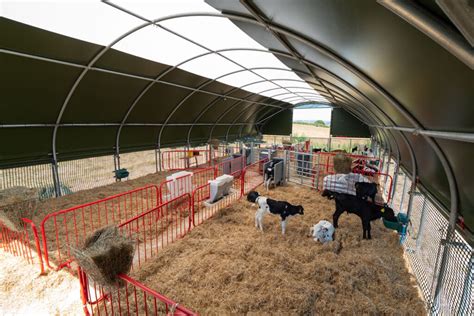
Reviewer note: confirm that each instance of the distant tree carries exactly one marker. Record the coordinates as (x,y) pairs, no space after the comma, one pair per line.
(320,123)
(299,138)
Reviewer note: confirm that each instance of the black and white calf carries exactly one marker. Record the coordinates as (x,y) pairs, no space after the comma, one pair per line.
(267,205)
(269,174)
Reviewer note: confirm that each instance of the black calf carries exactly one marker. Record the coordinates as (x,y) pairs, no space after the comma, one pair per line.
(365,210)
(365,190)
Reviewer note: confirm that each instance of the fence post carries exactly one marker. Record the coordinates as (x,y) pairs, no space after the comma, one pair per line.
(158,159)
(116,163)
(422,224)
(55,174)
(395,180)
(317,171)
(465,304)
(403,191)
(329,143)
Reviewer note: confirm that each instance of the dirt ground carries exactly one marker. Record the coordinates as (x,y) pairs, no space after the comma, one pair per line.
(226,266)
(310,130)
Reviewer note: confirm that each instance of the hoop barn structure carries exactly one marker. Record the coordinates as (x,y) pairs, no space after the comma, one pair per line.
(74,112)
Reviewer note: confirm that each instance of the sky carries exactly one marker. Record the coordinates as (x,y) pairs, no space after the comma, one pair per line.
(100,23)
(311,114)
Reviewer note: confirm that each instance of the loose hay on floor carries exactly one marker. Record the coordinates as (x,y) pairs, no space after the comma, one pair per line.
(226,266)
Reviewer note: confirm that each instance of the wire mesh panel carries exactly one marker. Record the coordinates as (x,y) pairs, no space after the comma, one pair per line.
(139,163)
(456,294)
(82,174)
(401,195)
(424,247)
(36,176)
(423,242)
(301,168)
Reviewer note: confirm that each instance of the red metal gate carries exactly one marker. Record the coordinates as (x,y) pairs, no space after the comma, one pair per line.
(69,227)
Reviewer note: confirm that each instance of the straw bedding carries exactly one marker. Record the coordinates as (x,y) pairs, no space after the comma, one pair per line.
(16,203)
(226,266)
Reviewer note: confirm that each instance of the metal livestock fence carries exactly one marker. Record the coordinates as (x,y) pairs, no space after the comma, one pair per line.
(64,228)
(22,243)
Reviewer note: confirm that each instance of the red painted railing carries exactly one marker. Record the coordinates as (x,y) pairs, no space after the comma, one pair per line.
(181,159)
(158,227)
(252,176)
(24,243)
(201,211)
(69,227)
(132,298)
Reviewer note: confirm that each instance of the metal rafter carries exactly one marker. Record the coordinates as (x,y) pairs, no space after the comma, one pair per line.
(181,36)
(205,109)
(255,11)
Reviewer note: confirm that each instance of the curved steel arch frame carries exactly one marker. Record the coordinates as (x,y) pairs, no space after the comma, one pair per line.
(374,85)
(320,48)
(251,94)
(234,105)
(378,88)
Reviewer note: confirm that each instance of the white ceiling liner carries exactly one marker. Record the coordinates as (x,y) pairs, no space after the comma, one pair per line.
(99,23)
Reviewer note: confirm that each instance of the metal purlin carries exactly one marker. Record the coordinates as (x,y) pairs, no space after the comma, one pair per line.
(237,103)
(246,98)
(199,88)
(118,73)
(432,143)
(213,102)
(251,94)
(89,66)
(257,14)
(179,35)
(279,53)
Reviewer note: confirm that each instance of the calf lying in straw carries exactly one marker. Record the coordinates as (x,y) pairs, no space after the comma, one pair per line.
(267,205)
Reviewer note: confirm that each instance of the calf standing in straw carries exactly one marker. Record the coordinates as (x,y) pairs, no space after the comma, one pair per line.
(267,205)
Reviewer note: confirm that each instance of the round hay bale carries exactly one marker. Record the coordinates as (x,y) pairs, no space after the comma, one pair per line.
(106,254)
(214,143)
(342,164)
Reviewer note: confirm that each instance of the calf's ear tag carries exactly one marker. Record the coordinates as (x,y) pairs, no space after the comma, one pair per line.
(382,210)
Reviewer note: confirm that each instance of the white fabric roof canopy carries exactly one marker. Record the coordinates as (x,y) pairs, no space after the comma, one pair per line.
(100,23)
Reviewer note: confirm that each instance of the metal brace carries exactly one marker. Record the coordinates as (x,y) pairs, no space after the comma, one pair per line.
(173,308)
